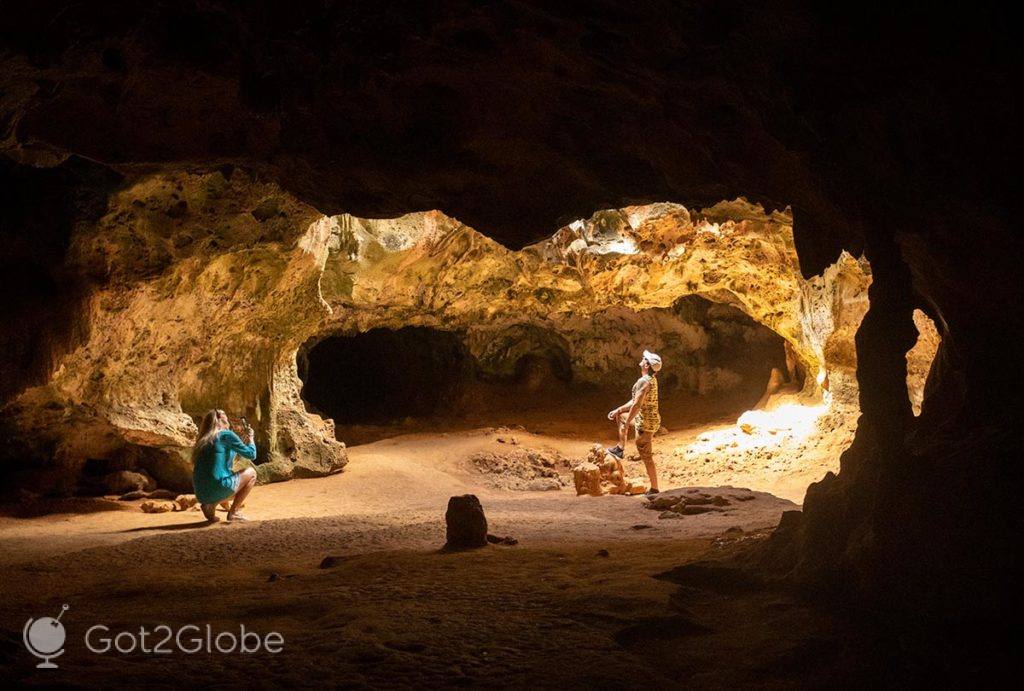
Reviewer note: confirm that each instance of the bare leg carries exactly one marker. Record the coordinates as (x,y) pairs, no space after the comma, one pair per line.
(209,510)
(246,481)
(620,420)
(643,445)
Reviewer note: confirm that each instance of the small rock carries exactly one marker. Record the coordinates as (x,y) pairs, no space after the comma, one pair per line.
(161,494)
(154,506)
(640,526)
(669,514)
(329,562)
(185,501)
(132,496)
(465,523)
(603,553)
(660,503)
(507,540)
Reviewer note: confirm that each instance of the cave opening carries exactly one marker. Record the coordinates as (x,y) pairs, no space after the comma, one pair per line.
(557,377)
(382,375)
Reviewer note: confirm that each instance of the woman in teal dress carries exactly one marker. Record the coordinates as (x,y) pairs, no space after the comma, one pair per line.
(212,460)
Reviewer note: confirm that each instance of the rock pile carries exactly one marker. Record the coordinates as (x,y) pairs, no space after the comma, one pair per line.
(691,502)
(603,474)
(522,469)
(183,502)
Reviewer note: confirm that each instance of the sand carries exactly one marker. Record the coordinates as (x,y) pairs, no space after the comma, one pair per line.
(550,611)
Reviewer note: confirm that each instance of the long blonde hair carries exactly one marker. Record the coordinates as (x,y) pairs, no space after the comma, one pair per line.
(213,422)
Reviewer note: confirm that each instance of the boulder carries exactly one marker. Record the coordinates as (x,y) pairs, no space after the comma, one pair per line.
(122,482)
(587,478)
(466,525)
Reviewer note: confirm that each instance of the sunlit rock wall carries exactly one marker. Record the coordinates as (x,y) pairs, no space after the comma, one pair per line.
(201,286)
(204,285)
(587,289)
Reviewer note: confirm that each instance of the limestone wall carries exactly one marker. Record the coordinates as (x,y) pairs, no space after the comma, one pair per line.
(204,285)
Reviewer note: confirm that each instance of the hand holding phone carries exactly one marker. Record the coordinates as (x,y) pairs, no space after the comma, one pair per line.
(248,429)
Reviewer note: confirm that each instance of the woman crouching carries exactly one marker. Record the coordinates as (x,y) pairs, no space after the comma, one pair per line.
(212,458)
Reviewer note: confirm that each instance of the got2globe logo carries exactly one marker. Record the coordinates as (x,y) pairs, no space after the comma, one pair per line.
(44,637)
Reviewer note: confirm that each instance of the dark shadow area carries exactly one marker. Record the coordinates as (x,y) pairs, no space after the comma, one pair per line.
(175,526)
(384,375)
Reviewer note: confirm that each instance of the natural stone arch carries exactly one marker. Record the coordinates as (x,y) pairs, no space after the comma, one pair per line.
(429,269)
(206,284)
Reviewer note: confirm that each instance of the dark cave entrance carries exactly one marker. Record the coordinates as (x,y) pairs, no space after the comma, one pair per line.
(383,375)
(557,378)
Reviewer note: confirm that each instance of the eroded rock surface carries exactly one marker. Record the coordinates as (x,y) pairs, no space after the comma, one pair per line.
(206,284)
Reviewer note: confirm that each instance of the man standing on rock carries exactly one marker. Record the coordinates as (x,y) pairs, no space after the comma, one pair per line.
(642,412)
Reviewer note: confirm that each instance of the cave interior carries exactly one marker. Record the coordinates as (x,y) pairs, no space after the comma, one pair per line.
(336,219)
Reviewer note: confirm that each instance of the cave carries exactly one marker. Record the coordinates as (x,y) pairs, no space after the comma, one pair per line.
(383,375)
(557,375)
(807,209)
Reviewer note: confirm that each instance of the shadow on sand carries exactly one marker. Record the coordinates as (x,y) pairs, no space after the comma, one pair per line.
(174,526)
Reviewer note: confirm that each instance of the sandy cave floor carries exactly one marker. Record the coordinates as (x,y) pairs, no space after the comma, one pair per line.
(394,611)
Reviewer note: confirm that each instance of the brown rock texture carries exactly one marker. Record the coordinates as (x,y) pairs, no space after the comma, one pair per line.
(587,282)
(601,473)
(892,133)
(197,304)
(202,297)
(920,358)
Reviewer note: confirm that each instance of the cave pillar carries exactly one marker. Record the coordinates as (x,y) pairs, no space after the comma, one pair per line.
(299,443)
(845,518)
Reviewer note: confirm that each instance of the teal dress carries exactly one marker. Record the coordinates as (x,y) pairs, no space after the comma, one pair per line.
(212,476)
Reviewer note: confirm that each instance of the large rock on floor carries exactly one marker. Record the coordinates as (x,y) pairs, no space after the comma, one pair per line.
(466,525)
(123,481)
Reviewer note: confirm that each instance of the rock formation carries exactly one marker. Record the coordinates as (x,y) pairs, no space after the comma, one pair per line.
(601,473)
(892,134)
(205,285)
(465,523)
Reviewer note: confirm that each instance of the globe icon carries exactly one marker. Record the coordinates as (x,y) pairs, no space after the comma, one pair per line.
(44,637)
(47,635)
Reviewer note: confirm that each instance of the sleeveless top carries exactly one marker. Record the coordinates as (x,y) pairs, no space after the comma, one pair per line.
(648,419)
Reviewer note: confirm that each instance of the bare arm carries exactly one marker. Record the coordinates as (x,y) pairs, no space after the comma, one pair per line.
(632,405)
(641,396)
